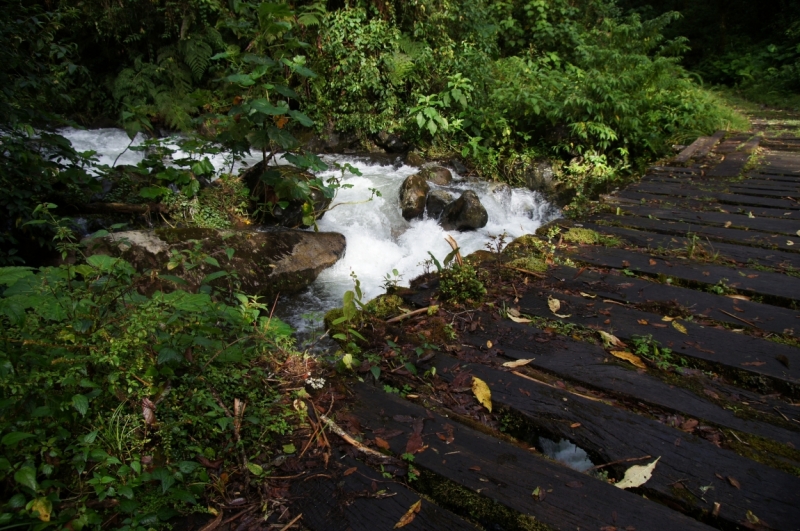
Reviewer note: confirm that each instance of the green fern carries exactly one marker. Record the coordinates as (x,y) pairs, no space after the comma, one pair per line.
(400,66)
(196,54)
(311,15)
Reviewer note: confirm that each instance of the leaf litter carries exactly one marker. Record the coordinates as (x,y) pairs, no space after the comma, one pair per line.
(637,475)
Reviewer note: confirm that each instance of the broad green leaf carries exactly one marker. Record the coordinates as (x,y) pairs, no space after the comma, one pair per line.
(26,476)
(376,372)
(166,478)
(187,467)
(167,355)
(301,118)
(213,276)
(14,437)
(255,469)
(81,404)
(242,79)
(289,449)
(10,275)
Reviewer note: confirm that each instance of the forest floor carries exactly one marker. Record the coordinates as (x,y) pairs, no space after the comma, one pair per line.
(662,338)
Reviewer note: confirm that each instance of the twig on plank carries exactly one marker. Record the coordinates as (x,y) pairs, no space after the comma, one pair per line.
(622,461)
(350,440)
(737,318)
(292,522)
(407,315)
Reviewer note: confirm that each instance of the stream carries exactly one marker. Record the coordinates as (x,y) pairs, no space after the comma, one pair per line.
(378,238)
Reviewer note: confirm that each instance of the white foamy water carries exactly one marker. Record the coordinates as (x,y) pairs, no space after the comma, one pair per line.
(378,238)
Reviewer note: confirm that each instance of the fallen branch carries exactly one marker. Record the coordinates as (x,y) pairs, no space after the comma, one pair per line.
(527,272)
(350,440)
(621,461)
(407,315)
(292,522)
(738,318)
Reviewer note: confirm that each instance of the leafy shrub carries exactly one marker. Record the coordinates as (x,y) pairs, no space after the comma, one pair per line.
(111,399)
(461,283)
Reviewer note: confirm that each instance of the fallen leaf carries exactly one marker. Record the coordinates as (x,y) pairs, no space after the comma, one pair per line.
(789,242)
(415,444)
(44,507)
(728,224)
(625,263)
(610,340)
(489,344)
(637,475)
(679,327)
(409,516)
(658,325)
(643,322)
(733,482)
(738,297)
(653,262)
(798,233)
(635,360)
(575,425)
(754,363)
(588,296)
(750,215)
(689,425)
(517,363)
(350,471)
(475,468)
(574,484)
(667,318)
(482,393)
(753,519)
(513,311)
(382,444)
(715,511)
(553,304)
(518,320)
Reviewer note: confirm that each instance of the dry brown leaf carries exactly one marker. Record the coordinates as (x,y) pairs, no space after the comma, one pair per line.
(575,425)
(350,471)
(610,340)
(738,297)
(635,360)
(734,482)
(643,322)
(679,327)
(517,363)
(717,507)
(728,224)
(653,262)
(482,393)
(409,516)
(518,320)
(475,468)
(637,475)
(754,363)
(489,344)
(381,443)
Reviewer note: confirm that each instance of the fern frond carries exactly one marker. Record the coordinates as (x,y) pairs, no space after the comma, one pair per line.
(197,54)
(400,66)
(410,47)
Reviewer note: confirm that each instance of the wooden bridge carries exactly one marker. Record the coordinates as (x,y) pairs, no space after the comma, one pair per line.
(696,276)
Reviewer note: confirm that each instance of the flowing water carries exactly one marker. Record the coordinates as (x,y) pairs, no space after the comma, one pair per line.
(378,238)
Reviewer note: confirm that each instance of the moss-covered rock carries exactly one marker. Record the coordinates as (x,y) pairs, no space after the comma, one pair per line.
(264,263)
(531,263)
(578,235)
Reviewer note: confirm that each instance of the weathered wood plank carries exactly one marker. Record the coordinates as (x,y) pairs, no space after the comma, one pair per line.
(720,219)
(331,501)
(750,361)
(738,253)
(509,474)
(689,151)
(703,195)
(612,434)
(713,140)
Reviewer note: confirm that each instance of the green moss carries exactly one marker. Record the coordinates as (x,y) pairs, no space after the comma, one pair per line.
(474,506)
(384,306)
(766,452)
(575,235)
(531,263)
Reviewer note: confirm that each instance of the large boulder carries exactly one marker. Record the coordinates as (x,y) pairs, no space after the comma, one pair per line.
(391,142)
(465,213)
(437,200)
(267,185)
(437,175)
(413,192)
(265,262)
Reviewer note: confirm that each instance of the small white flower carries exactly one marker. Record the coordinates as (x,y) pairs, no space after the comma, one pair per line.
(316,383)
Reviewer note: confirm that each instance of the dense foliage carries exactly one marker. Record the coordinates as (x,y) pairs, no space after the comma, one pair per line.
(113,400)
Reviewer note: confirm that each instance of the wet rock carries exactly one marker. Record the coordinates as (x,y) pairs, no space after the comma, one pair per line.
(501,191)
(262,182)
(465,213)
(391,142)
(459,167)
(436,202)
(330,141)
(266,262)
(540,177)
(437,175)
(414,159)
(412,196)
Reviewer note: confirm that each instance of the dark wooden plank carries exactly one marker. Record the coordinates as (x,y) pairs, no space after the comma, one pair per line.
(701,304)
(713,140)
(738,253)
(720,219)
(732,166)
(680,202)
(675,169)
(611,434)
(743,280)
(331,501)
(751,145)
(592,367)
(679,228)
(787,187)
(689,151)
(509,474)
(720,197)
(750,361)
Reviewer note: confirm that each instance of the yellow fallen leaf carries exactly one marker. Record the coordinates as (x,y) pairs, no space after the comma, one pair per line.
(489,344)
(738,297)
(750,215)
(667,318)
(482,393)
(798,233)
(789,242)
(553,304)
(519,319)
(562,316)
(728,224)
(44,507)
(637,475)
(635,360)
(642,322)
(513,311)
(589,296)
(679,327)
(409,516)
(610,340)
(517,363)
(752,518)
